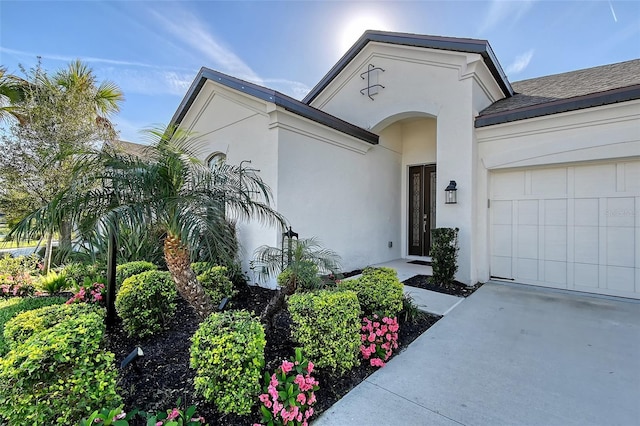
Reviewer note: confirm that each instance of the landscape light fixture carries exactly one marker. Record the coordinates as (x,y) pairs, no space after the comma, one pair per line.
(450,193)
(132,357)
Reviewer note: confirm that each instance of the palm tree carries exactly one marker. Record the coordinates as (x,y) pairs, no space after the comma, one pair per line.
(12,90)
(166,188)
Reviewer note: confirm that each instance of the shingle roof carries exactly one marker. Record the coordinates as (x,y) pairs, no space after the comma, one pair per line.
(282,100)
(568,91)
(131,148)
(468,45)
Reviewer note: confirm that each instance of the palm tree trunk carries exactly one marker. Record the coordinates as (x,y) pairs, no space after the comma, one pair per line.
(47,253)
(179,265)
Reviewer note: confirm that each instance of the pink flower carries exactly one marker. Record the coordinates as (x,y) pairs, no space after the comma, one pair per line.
(311,400)
(310,367)
(276,408)
(158,423)
(174,414)
(301,398)
(372,337)
(286,366)
(273,392)
(376,362)
(308,413)
(120,416)
(274,380)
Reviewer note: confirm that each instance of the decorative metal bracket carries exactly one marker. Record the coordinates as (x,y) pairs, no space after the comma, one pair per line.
(370,86)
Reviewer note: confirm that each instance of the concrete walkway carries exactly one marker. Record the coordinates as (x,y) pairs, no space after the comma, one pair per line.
(510,355)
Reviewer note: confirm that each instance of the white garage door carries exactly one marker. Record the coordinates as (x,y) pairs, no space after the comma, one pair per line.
(575,227)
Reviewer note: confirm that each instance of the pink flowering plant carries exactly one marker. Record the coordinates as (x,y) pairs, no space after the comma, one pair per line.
(16,285)
(109,417)
(289,393)
(93,293)
(175,417)
(379,339)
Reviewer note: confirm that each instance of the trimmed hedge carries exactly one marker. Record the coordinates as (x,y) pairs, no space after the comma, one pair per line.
(228,355)
(26,324)
(327,326)
(216,283)
(444,255)
(9,308)
(146,302)
(58,375)
(379,291)
(130,269)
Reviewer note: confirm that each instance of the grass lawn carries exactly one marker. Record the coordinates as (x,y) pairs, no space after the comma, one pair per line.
(13,244)
(12,307)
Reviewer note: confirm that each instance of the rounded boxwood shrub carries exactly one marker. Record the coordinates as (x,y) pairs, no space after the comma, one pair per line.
(130,269)
(24,325)
(58,375)
(227,352)
(327,326)
(146,302)
(379,291)
(216,283)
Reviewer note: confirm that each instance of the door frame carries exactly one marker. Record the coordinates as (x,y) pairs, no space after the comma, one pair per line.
(426,214)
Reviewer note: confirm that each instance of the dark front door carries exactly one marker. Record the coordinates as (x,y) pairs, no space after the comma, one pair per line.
(422,208)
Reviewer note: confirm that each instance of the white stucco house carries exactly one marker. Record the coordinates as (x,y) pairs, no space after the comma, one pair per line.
(547,169)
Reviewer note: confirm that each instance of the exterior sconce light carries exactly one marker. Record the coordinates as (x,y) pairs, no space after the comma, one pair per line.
(450,191)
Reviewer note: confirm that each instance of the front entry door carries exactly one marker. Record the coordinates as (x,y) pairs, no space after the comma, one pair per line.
(422,208)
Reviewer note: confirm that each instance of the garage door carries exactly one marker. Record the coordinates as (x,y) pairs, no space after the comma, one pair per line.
(574,227)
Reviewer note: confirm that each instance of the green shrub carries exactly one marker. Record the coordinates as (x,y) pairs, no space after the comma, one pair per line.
(53,282)
(200,268)
(77,273)
(130,269)
(327,326)
(24,325)
(228,355)
(146,302)
(379,291)
(301,276)
(18,265)
(216,283)
(444,255)
(58,375)
(9,308)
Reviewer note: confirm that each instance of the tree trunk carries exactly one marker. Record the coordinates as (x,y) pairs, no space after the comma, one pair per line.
(179,265)
(47,253)
(64,243)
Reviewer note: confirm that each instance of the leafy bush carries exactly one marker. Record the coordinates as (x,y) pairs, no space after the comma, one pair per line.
(20,285)
(89,293)
(130,269)
(24,325)
(146,302)
(288,398)
(53,282)
(9,308)
(77,273)
(379,291)
(216,284)
(228,355)
(444,255)
(327,325)
(302,275)
(20,264)
(59,374)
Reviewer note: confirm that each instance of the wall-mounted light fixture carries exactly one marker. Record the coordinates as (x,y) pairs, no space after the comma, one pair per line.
(450,191)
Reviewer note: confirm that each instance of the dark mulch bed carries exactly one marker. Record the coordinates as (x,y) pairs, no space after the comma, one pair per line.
(454,288)
(155,381)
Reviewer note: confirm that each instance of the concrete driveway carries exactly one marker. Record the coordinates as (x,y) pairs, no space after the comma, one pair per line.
(510,355)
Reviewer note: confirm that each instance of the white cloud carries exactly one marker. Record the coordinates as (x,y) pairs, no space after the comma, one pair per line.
(150,81)
(501,10)
(191,31)
(520,63)
(295,89)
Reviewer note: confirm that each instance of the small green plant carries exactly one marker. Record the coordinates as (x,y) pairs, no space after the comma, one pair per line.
(410,312)
(379,291)
(444,255)
(77,273)
(175,417)
(53,282)
(326,324)
(216,284)
(58,375)
(146,302)
(109,417)
(227,352)
(130,269)
(289,393)
(300,276)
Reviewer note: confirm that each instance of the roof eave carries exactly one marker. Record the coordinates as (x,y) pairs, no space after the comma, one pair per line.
(279,99)
(591,100)
(480,47)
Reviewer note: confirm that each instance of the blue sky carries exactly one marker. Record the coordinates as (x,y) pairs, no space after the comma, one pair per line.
(153,49)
